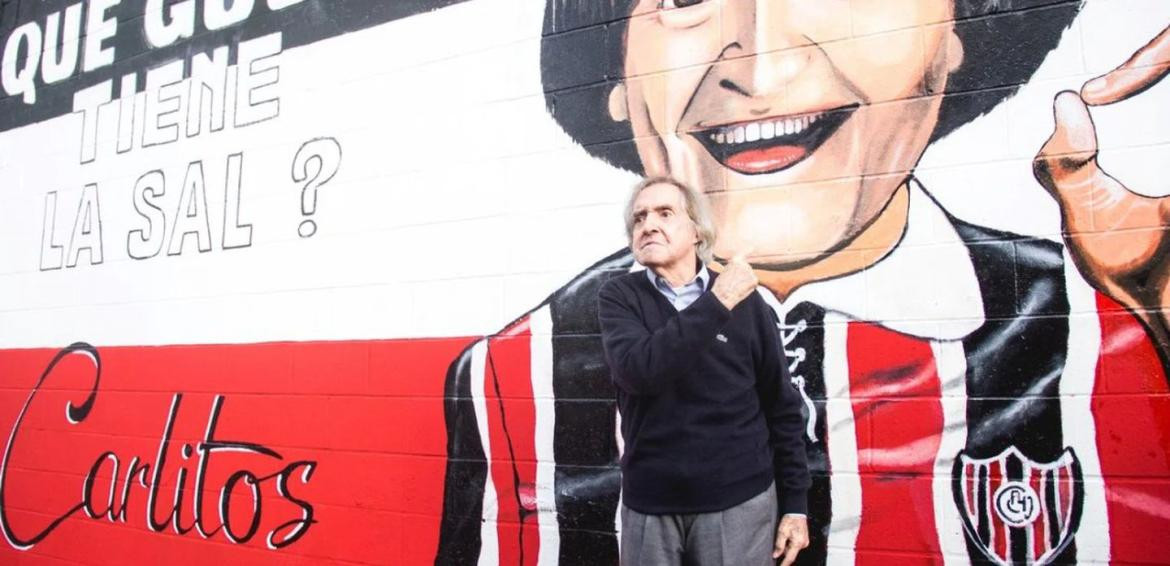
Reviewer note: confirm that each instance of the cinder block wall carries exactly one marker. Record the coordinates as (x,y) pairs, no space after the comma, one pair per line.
(304,282)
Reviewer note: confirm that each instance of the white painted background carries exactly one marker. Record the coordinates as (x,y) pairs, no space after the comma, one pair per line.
(459,203)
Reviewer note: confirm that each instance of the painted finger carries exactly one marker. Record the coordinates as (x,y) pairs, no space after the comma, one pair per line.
(1145,68)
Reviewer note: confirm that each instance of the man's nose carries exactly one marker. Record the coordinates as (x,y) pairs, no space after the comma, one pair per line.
(765,45)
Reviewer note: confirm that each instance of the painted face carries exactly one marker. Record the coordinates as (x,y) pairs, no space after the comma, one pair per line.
(800,118)
(663,236)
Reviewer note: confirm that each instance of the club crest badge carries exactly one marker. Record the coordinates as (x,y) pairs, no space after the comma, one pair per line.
(1016,510)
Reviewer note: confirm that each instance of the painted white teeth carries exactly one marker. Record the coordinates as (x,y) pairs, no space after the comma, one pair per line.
(752,132)
(764,130)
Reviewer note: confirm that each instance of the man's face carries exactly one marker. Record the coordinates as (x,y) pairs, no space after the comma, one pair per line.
(800,118)
(663,236)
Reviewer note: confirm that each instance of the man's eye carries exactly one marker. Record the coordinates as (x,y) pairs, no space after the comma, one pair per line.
(671,4)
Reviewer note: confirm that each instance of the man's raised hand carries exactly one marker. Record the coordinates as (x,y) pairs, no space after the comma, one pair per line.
(735,282)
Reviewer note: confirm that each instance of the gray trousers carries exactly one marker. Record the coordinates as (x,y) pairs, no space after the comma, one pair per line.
(742,535)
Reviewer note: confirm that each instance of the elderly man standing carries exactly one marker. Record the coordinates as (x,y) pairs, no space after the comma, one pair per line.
(711,423)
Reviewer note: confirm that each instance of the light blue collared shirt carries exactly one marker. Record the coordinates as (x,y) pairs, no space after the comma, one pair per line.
(681,297)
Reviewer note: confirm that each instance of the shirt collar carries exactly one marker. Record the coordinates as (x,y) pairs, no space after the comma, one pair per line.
(703,277)
(924,287)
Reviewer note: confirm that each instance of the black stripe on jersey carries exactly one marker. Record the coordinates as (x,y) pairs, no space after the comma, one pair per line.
(1016,359)
(466,476)
(1054,519)
(981,502)
(1077,486)
(812,369)
(1017,536)
(588,474)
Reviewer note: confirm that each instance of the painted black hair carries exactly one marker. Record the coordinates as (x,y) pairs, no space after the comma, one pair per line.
(582,53)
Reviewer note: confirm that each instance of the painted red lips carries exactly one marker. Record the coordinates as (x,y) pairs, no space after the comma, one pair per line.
(768,146)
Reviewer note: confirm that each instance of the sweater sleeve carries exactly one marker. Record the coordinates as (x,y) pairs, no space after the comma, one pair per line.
(781,405)
(644,362)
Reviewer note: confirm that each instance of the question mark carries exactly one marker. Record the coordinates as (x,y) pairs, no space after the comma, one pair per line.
(326,154)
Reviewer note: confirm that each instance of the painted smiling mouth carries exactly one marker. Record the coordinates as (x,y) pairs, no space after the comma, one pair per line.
(773,144)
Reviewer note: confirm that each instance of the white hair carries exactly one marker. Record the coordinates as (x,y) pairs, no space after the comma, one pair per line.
(696,207)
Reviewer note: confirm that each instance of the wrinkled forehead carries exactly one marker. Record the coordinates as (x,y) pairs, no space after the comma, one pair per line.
(658,196)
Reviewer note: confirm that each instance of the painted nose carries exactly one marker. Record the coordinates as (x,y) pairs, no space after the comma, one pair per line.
(766,48)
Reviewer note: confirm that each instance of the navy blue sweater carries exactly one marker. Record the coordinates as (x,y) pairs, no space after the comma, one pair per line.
(709,415)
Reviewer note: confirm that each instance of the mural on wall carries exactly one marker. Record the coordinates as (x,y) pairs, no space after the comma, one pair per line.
(262,263)
(958,402)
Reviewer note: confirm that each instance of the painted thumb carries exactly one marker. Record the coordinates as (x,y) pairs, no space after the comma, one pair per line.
(1062,160)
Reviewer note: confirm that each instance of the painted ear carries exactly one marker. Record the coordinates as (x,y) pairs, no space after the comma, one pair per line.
(954,52)
(619,108)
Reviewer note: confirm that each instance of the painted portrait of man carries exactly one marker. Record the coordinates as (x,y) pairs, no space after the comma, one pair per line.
(966,394)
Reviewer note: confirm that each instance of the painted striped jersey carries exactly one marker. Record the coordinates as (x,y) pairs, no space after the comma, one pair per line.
(983,406)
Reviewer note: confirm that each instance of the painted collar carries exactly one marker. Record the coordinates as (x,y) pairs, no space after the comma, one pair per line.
(924,287)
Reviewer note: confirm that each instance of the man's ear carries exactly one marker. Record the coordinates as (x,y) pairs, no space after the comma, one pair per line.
(619,109)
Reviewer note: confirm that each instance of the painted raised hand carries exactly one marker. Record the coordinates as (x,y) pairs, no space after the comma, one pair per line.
(1118,238)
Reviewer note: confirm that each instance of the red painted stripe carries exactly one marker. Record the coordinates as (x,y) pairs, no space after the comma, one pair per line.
(895,393)
(1064,493)
(999,530)
(511,424)
(1131,409)
(1039,527)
